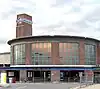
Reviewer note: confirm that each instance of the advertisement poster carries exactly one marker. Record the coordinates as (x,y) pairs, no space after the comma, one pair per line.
(3,77)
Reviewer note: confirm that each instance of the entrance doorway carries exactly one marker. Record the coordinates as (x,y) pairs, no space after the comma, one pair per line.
(73,76)
(96,77)
(63,76)
(30,76)
(69,76)
(17,74)
(42,76)
(47,76)
(39,76)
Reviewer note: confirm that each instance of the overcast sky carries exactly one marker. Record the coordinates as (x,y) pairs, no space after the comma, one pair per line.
(51,17)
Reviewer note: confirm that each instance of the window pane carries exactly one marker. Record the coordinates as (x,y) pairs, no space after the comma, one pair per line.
(69,53)
(41,53)
(90,54)
(19,54)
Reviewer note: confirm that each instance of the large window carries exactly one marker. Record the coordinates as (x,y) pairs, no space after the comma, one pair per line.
(69,53)
(19,54)
(41,53)
(90,54)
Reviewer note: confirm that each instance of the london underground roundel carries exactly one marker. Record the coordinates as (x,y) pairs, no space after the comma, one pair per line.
(20,20)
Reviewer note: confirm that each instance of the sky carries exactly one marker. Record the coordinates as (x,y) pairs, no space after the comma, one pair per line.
(51,17)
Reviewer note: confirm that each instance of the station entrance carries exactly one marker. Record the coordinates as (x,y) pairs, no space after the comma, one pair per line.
(45,76)
(50,74)
(39,76)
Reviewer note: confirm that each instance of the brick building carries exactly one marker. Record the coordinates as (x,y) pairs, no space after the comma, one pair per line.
(51,58)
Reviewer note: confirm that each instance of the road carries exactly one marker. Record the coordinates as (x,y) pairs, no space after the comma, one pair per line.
(42,86)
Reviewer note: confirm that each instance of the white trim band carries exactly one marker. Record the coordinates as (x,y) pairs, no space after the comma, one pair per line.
(53,66)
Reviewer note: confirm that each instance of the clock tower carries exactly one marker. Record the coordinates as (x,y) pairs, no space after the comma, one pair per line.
(23,25)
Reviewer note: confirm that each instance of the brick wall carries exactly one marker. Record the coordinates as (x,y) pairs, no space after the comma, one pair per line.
(23,29)
(55,53)
(81,52)
(28,53)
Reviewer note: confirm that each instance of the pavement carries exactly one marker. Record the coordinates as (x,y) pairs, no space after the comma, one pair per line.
(95,86)
(41,86)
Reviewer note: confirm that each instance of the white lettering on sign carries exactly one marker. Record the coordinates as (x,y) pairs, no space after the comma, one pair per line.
(20,20)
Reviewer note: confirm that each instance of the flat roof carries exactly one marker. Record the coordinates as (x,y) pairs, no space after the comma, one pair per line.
(47,37)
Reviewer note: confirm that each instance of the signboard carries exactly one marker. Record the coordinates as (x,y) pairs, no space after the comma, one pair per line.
(20,20)
(10,73)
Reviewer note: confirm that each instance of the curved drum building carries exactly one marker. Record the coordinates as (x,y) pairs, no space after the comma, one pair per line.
(51,58)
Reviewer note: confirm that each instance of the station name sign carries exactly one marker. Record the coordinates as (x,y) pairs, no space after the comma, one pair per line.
(20,20)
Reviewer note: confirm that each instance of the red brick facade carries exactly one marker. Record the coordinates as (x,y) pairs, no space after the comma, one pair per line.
(55,75)
(98,53)
(82,53)
(28,53)
(22,28)
(55,53)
